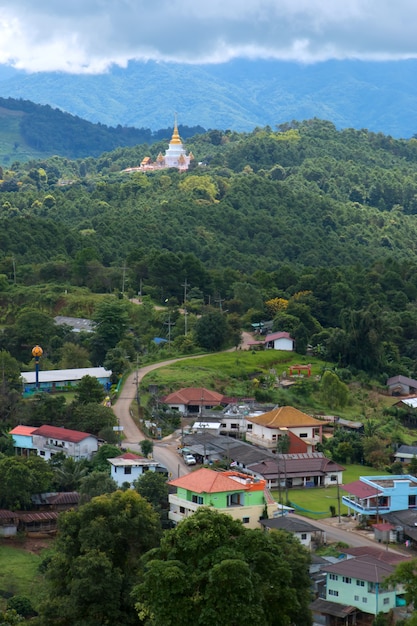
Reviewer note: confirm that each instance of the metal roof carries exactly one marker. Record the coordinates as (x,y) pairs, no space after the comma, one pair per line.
(59,376)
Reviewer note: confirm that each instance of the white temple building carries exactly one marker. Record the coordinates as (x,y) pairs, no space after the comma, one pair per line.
(175,156)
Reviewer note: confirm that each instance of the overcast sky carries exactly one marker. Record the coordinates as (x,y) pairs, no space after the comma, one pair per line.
(90,35)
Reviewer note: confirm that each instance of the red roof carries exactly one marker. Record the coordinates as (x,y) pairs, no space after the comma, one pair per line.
(130,456)
(361,489)
(278,335)
(22,430)
(194,395)
(65,434)
(205,480)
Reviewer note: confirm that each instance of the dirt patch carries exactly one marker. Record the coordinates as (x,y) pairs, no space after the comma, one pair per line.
(34,545)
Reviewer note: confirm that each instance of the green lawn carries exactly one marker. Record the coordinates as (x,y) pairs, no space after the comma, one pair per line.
(317,500)
(19,572)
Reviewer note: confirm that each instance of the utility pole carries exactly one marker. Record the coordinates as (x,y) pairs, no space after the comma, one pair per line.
(169,324)
(220,301)
(185,284)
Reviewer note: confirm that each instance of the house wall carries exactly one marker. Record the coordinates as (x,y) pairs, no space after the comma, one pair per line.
(8,530)
(23,441)
(367,597)
(47,447)
(267,437)
(121,474)
(283,344)
(181,508)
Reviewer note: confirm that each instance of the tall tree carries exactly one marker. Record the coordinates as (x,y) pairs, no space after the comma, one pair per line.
(211,570)
(95,559)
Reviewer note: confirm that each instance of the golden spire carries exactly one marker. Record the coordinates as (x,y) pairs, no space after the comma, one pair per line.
(175,135)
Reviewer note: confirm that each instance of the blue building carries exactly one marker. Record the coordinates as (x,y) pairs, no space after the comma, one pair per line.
(371,496)
(55,380)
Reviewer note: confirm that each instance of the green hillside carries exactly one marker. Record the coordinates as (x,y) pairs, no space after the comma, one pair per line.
(31,131)
(320,222)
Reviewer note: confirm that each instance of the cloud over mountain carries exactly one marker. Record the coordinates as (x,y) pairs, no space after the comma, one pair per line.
(88,36)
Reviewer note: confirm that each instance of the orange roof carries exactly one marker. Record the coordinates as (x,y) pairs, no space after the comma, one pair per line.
(22,430)
(194,395)
(205,480)
(284,417)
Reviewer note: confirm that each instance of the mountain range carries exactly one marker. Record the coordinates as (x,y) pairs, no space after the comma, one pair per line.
(239,95)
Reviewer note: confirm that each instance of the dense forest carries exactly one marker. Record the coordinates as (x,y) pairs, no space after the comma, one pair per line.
(27,128)
(304,225)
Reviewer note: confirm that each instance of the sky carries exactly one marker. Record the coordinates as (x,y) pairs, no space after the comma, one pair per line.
(89,36)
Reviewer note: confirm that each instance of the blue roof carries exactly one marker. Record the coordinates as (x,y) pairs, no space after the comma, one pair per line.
(159,340)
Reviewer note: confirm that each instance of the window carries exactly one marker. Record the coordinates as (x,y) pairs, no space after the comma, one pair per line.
(303,536)
(128,470)
(333,577)
(347,579)
(364,600)
(303,435)
(386,600)
(42,452)
(246,520)
(360,583)
(249,426)
(333,478)
(333,592)
(356,598)
(197,499)
(182,510)
(411,501)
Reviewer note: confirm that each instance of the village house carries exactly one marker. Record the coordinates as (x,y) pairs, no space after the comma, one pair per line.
(242,497)
(354,592)
(49,440)
(193,400)
(128,467)
(54,380)
(266,430)
(308,535)
(401,385)
(279,341)
(372,496)
(298,470)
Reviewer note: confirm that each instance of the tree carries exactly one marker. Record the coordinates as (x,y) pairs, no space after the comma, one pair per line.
(146,446)
(153,487)
(95,484)
(211,570)
(211,331)
(106,451)
(334,392)
(73,355)
(20,479)
(92,418)
(112,321)
(69,474)
(91,571)
(89,389)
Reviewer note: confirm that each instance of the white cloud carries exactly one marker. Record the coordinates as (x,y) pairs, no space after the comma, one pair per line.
(90,35)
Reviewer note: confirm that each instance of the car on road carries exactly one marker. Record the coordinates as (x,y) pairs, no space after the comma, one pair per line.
(189,459)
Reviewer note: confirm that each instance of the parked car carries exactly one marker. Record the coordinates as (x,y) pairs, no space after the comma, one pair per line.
(189,459)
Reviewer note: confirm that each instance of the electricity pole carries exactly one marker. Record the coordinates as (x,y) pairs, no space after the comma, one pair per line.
(185,284)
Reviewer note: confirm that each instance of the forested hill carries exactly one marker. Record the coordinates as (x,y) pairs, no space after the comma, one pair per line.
(29,130)
(308,216)
(305,194)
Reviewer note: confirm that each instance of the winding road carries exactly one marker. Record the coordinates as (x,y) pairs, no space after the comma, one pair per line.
(165,451)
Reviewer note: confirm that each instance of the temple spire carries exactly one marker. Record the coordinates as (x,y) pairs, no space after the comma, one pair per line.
(176,139)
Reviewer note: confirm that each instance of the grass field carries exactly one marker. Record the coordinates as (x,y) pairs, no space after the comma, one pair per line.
(19,573)
(317,500)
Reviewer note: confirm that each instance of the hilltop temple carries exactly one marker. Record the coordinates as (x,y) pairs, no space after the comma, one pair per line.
(175,156)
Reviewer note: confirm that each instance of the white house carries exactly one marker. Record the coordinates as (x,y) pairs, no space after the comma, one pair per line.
(279,341)
(306,533)
(49,440)
(267,428)
(128,467)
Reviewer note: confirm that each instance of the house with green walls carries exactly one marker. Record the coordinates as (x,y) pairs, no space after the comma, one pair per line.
(241,496)
(355,592)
